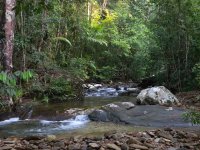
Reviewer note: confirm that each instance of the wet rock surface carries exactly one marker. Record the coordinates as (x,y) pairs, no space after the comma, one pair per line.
(144,115)
(165,139)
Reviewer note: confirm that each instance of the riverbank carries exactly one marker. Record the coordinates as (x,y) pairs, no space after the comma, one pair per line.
(165,139)
(190,99)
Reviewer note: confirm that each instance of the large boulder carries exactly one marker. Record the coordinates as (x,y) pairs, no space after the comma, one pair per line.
(156,95)
(111,112)
(141,115)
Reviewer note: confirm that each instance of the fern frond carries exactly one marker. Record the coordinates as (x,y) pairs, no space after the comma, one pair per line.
(97,41)
(63,39)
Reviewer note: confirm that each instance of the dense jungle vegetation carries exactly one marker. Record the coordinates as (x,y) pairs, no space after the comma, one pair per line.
(59,44)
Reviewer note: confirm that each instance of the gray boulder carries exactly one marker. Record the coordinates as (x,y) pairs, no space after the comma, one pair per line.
(141,115)
(111,112)
(156,95)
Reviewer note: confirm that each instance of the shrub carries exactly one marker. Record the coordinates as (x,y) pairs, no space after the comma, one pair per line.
(193,116)
(11,85)
(196,71)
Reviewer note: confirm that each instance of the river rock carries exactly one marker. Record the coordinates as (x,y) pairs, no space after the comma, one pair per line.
(191,135)
(133,140)
(164,134)
(74,147)
(9,142)
(156,95)
(60,144)
(136,146)
(6,148)
(145,115)
(94,145)
(113,146)
(73,111)
(124,146)
(129,92)
(97,85)
(50,138)
(91,143)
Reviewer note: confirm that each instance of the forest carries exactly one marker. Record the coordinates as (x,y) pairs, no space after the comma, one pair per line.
(51,49)
(59,42)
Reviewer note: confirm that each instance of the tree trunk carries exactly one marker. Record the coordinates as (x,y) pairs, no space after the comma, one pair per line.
(9,28)
(2,35)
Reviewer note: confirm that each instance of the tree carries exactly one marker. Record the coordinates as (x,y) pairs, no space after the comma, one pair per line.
(9,27)
(7,24)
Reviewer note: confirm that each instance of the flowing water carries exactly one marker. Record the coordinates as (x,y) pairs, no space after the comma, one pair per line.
(45,119)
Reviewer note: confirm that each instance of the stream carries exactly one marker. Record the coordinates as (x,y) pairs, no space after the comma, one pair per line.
(44,120)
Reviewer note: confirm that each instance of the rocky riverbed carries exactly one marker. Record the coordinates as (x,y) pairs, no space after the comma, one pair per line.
(165,139)
(105,105)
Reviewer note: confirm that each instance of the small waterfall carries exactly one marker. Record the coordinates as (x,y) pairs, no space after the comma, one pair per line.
(73,123)
(9,121)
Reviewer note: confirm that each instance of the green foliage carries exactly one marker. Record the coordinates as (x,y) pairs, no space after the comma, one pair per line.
(63,39)
(81,68)
(127,40)
(10,88)
(193,116)
(54,89)
(196,71)
(59,89)
(106,73)
(45,99)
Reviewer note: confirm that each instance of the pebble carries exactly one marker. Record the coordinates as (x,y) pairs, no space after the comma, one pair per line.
(60,144)
(136,146)
(5,148)
(133,140)
(51,137)
(192,135)
(113,146)
(9,142)
(124,147)
(157,140)
(94,145)
(168,139)
(164,134)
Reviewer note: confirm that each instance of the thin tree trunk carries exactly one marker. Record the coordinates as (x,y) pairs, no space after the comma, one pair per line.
(9,28)
(2,20)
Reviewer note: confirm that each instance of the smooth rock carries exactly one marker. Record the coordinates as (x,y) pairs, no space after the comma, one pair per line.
(192,135)
(5,148)
(136,146)
(94,145)
(124,146)
(50,138)
(84,147)
(164,134)
(149,145)
(113,146)
(97,85)
(74,147)
(157,140)
(156,95)
(140,115)
(133,90)
(133,140)
(55,148)
(60,144)
(33,146)
(9,142)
